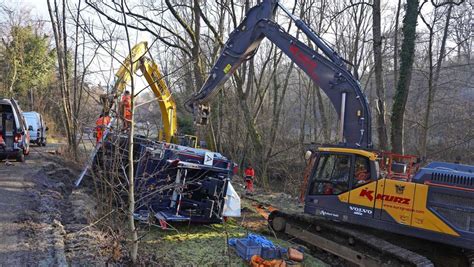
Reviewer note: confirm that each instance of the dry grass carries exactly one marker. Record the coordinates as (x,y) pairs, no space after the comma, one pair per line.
(206,245)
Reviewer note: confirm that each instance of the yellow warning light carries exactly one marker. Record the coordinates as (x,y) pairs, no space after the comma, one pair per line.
(227,68)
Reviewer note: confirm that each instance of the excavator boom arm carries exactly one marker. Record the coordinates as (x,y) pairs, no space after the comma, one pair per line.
(155,80)
(329,72)
(163,96)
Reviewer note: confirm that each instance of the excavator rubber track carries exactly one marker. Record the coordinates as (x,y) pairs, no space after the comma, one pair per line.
(357,247)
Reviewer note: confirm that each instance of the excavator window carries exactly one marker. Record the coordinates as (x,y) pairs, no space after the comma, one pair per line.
(361,171)
(331,176)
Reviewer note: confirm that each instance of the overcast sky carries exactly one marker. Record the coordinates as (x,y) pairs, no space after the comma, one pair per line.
(38,7)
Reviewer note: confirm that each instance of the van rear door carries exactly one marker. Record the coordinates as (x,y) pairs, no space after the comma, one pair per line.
(21,123)
(22,128)
(8,124)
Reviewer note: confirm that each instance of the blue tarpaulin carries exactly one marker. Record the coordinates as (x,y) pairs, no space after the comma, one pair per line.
(259,239)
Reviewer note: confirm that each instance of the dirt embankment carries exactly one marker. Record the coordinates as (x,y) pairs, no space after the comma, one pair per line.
(43,220)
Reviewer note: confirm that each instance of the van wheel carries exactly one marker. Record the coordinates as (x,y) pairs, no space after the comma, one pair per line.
(20,157)
(44,142)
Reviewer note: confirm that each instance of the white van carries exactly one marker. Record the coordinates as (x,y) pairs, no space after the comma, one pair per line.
(36,127)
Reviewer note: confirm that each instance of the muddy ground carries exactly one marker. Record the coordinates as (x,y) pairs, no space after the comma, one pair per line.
(43,222)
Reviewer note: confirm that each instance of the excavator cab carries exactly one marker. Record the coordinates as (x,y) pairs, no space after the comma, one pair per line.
(187,140)
(335,172)
(182,140)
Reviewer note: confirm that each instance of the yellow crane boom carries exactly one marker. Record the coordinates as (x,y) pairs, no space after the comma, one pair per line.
(155,80)
(137,60)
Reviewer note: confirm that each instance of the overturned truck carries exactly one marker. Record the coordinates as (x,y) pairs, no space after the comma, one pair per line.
(172,182)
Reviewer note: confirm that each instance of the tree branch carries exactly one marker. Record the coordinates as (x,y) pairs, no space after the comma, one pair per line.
(213,30)
(144,28)
(181,21)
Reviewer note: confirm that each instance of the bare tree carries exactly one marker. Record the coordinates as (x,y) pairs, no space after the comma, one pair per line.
(433,73)
(58,22)
(131,135)
(395,45)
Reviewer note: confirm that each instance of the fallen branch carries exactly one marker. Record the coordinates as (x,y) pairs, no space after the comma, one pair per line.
(94,223)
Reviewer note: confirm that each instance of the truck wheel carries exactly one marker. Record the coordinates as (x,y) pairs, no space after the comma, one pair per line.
(44,142)
(20,157)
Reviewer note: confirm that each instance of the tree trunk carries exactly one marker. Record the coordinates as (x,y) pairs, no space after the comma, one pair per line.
(63,83)
(131,171)
(13,79)
(275,122)
(196,51)
(433,79)
(255,137)
(406,66)
(317,97)
(304,108)
(380,90)
(424,135)
(395,46)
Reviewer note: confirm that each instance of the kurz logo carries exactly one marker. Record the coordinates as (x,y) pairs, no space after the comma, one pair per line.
(370,195)
(399,188)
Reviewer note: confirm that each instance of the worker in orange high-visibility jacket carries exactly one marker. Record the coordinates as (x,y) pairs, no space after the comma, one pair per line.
(100,126)
(126,104)
(249,177)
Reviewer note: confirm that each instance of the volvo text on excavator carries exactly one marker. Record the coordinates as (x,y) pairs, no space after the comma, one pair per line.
(350,182)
